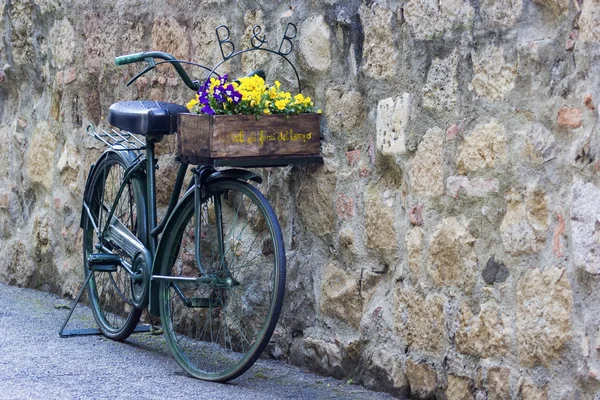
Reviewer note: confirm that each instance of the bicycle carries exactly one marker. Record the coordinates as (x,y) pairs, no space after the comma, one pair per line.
(213,269)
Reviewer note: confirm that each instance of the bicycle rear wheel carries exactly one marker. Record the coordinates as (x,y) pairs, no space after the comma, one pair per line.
(110,292)
(217,329)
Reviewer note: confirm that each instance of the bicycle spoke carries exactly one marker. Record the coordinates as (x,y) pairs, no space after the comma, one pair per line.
(226,330)
(110,292)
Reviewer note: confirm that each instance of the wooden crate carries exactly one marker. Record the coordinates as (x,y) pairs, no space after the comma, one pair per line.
(243,140)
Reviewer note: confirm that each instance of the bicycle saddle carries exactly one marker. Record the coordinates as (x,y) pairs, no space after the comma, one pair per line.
(145,117)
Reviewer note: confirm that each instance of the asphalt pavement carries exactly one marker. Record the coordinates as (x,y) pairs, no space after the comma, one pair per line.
(35,363)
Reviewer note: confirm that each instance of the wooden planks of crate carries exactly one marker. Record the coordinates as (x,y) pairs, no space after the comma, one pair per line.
(244,140)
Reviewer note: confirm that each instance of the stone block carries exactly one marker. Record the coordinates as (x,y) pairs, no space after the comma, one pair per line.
(62,43)
(498,383)
(414,246)
(385,372)
(421,378)
(493,77)
(393,118)
(484,148)
(540,144)
(530,391)
(69,164)
(379,221)
(344,207)
(524,227)
(353,157)
(4,199)
(345,110)
(415,215)
(494,271)
(318,355)
(427,166)
(100,42)
(440,90)
(40,162)
(544,307)
(16,266)
(314,43)
(167,35)
(556,6)
(588,101)
(452,259)
(483,335)
(585,226)
(569,117)
(380,53)
(21,36)
(420,320)
(340,295)
(346,238)
(430,19)
(253,60)
(42,235)
(459,388)
(588,22)
(316,203)
(478,187)
(501,14)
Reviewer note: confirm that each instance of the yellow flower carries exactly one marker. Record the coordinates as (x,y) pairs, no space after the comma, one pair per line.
(280,104)
(266,111)
(272,92)
(191,104)
(277,84)
(319,111)
(299,98)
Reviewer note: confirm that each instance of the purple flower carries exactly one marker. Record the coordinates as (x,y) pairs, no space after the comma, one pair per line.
(218,97)
(204,98)
(229,90)
(236,97)
(224,79)
(208,110)
(219,90)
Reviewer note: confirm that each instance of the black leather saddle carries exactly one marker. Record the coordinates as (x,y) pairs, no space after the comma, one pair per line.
(145,117)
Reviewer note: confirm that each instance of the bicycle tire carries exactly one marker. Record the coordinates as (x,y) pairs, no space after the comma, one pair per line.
(214,332)
(109,293)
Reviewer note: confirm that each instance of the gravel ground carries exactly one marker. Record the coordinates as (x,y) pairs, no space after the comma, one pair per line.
(35,363)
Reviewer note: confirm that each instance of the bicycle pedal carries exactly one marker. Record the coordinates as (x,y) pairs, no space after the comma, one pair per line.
(100,262)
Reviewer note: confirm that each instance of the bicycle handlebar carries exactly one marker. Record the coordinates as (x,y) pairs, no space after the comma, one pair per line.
(149,57)
(131,58)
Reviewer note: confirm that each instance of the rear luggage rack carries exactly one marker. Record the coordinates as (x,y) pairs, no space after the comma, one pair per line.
(116,139)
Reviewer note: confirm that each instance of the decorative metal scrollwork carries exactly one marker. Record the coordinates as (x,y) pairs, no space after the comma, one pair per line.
(255,32)
(257,42)
(287,39)
(225,41)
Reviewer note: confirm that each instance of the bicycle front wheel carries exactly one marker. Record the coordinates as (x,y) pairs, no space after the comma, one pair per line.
(110,292)
(218,325)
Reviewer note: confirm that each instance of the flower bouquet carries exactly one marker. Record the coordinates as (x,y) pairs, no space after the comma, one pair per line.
(249,95)
(249,123)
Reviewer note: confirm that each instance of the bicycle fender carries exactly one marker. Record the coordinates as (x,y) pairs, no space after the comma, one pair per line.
(88,181)
(85,193)
(234,173)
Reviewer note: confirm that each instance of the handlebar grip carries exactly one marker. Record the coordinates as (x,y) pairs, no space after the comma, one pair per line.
(130,58)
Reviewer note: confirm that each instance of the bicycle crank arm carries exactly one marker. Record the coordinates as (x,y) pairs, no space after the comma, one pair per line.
(118,234)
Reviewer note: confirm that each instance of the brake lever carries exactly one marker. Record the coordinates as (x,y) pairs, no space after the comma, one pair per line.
(151,66)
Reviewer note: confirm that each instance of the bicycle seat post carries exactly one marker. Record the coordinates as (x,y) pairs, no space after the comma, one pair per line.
(151,192)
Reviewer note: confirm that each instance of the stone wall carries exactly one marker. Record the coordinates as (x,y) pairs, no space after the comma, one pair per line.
(449,246)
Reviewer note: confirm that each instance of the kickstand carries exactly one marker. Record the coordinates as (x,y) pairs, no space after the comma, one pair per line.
(89,331)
